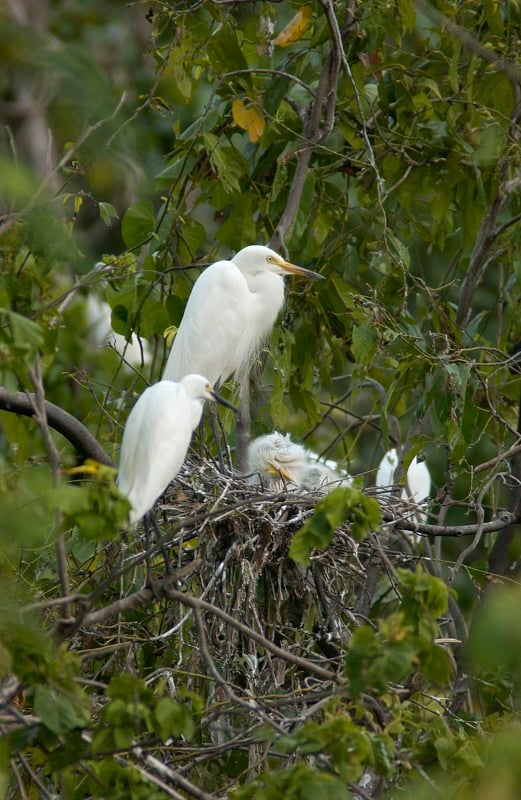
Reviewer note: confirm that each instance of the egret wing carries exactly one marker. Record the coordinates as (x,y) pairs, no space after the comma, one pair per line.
(154,446)
(213,325)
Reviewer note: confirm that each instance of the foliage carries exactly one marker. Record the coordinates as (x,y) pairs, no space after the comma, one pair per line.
(377,143)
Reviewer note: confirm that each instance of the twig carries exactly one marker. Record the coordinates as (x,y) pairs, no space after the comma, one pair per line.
(170,774)
(512,451)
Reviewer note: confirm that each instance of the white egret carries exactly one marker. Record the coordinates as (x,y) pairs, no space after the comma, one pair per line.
(418,481)
(157,436)
(280,462)
(99,330)
(231,309)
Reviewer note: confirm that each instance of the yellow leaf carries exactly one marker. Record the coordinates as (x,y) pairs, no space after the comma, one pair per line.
(169,334)
(249,119)
(295,28)
(89,467)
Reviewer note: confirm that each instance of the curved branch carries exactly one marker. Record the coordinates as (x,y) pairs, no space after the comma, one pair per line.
(72,429)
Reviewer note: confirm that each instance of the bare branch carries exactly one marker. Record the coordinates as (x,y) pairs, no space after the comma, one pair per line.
(505,519)
(323,103)
(58,419)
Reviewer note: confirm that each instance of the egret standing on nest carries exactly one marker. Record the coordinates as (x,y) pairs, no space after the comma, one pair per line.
(156,439)
(231,310)
(281,463)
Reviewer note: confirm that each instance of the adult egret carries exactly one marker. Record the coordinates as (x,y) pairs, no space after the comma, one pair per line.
(135,352)
(157,436)
(418,482)
(231,309)
(280,462)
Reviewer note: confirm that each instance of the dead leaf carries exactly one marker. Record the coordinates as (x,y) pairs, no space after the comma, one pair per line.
(249,119)
(295,28)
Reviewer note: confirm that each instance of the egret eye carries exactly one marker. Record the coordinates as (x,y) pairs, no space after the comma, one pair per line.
(269,259)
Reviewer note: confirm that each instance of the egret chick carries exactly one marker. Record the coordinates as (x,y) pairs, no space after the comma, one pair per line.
(277,460)
(280,462)
(231,310)
(418,482)
(318,476)
(156,438)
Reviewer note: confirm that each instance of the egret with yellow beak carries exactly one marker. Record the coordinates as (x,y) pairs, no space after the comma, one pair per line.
(230,312)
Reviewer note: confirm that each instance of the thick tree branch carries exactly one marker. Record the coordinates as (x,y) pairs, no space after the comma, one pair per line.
(58,419)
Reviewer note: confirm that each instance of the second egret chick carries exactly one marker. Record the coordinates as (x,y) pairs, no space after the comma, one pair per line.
(418,484)
(282,463)
(157,436)
(319,475)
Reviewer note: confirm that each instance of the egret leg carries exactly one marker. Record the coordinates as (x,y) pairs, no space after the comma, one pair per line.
(214,424)
(244,426)
(150,519)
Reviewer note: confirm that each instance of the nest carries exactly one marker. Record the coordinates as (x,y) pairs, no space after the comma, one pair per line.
(229,541)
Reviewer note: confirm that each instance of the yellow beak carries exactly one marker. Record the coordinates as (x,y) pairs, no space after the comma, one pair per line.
(294,269)
(280,473)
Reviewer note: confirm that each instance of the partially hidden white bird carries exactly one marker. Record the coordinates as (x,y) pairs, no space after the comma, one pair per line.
(418,482)
(157,436)
(135,352)
(231,310)
(281,463)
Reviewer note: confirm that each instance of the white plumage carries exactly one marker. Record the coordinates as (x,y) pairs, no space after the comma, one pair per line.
(231,309)
(281,463)
(418,483)
(157,436)
(99,330)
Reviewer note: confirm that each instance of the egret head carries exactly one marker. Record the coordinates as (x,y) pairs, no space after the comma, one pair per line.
(199,388)
(256,258)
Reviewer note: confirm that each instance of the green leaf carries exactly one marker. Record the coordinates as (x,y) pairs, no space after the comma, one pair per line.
(107,212)
(365,342)
(228,163)
(225,53)
(57,711)
(407,14)
(173,719)
(67,498)
(137,223)
(6,662)
(341,505)
(239,229)
(26,334)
